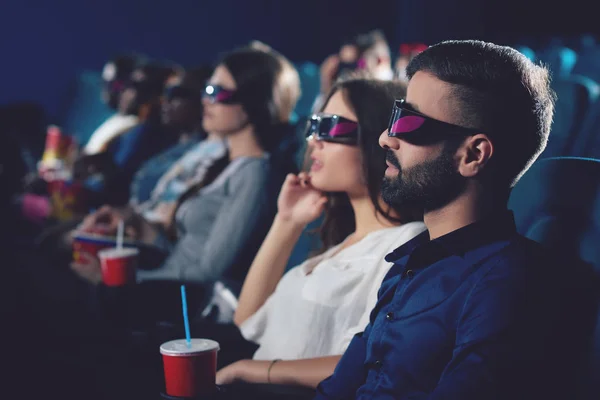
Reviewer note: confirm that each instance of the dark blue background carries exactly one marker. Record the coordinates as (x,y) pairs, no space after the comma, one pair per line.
(45,43)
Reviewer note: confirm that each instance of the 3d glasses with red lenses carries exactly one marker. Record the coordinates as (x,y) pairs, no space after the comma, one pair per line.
(332,128)
(218,94)
(414,127)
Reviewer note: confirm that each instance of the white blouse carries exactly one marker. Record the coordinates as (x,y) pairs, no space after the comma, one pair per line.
(321,304)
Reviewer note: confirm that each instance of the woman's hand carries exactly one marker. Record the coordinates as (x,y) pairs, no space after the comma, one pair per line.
(299,202)
(250,371)
(88,268)
(230,374)
(105,221)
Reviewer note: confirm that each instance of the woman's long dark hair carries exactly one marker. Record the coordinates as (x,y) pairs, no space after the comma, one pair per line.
(268,87)
(371,100)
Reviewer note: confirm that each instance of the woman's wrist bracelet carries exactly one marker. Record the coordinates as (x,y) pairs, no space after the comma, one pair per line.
(270,367)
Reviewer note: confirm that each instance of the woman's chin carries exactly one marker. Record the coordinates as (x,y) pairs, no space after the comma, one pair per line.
(323,185)
(317,182)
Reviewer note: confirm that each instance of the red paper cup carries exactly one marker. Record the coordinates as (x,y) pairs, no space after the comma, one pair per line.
(118,265)
(190,371)
(90,244)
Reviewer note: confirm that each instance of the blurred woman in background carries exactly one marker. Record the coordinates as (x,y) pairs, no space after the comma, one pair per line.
(215,228)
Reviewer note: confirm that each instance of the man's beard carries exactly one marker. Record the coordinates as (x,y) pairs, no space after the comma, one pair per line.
(428,186)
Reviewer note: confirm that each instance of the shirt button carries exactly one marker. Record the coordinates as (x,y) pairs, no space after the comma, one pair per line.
(389,316)
(410,273)
(378,364)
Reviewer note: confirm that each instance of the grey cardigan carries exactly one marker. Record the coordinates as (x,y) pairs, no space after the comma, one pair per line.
(221,228)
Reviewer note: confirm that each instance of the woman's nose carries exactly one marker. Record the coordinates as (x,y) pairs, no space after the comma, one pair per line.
(206,100)
(315,143)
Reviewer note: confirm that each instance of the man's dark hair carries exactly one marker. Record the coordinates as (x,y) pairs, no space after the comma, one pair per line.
(500,92)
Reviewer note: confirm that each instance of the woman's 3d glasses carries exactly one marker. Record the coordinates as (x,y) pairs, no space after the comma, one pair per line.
(416,128)
(332,128)
(218,94)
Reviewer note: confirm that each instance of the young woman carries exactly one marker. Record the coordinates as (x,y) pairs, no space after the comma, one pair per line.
(219,226)
(308,316)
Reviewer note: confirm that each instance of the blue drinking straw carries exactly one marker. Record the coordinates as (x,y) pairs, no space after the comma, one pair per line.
(186,322)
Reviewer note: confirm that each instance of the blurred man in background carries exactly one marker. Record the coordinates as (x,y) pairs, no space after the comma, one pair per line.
(367,52)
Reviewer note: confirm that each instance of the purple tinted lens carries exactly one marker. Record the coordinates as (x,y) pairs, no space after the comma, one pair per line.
(222,95)
(342,128)
(406,124)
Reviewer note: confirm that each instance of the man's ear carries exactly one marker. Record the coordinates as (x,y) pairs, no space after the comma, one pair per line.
(474,154)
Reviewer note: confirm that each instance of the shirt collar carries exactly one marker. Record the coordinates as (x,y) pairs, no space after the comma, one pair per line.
(497,226)
(408,247)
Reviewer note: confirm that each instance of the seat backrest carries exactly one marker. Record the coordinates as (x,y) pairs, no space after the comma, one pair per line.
(555,41)
(587,141)
(285,152)
(559,59)
(300,156)
(590,250)
(308,242)
(557,203)
(588,63)
(575,97)
(588,370)
(590,240)
(581,43)
(83,110)
(310,82)
(592,389)
(554,201)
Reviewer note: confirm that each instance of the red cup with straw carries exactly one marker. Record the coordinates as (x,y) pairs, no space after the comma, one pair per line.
(190,365)
(190,369)
(119,264)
